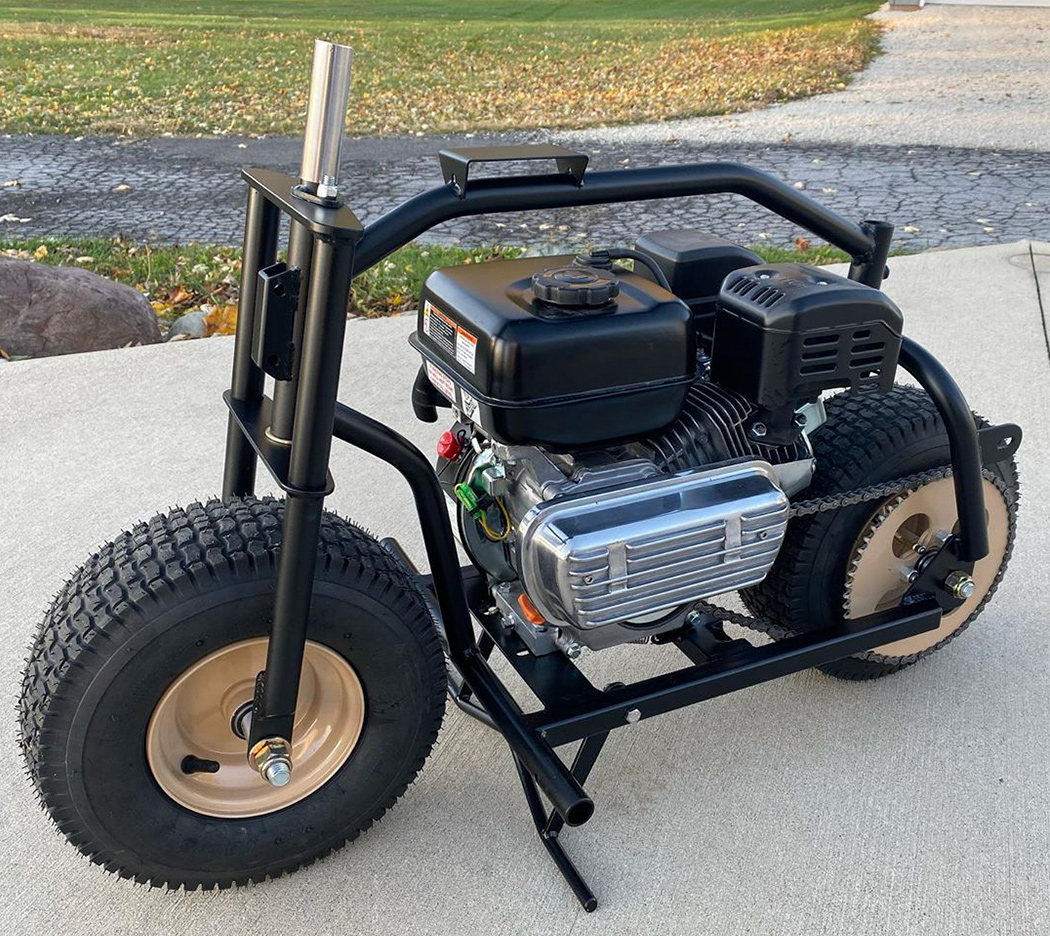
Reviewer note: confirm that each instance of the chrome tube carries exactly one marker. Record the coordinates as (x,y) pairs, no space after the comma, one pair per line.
(325,118)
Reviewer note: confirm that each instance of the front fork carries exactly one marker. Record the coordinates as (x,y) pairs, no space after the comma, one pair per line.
(300,421)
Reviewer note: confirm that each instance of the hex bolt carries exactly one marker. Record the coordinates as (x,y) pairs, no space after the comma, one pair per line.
(633,716)
(909,575)
(278,772)
(272,757)
(960,585)
(758,430)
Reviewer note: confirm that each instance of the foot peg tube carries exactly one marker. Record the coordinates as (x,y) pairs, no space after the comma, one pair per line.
(536,755)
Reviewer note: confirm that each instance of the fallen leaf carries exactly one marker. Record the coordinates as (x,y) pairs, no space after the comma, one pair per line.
(910,229)
(12,183)
(222,320)
(123,187)
(802,244)
(13,218)
(40,252)
(180,296)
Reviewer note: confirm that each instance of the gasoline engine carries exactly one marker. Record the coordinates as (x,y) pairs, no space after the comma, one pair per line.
(625,441)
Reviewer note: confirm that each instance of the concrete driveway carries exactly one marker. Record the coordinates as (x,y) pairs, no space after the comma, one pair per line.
(970,76)
(919,804)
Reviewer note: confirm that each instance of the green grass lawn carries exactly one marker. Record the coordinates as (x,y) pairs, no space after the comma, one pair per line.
(215,67)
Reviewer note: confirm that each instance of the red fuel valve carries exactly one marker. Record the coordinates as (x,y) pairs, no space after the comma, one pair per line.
(448,446)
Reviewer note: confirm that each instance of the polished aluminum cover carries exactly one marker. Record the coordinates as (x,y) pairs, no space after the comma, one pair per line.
(630,552)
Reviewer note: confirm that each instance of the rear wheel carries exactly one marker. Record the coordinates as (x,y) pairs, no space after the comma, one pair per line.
(135,694)
(851,562)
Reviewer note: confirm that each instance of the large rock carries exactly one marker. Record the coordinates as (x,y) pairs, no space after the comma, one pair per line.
(61,310)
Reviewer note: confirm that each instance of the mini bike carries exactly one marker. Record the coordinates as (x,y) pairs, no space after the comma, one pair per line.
(235,688)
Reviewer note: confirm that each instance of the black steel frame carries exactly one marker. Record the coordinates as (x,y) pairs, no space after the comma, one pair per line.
(292,435)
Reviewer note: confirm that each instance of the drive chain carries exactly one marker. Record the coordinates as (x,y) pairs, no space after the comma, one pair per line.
(817,505)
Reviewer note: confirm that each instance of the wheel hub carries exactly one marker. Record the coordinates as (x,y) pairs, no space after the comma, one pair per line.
(884,559)
(200,714)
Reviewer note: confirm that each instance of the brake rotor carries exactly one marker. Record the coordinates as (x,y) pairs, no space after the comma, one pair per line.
(891,544)
(198,715)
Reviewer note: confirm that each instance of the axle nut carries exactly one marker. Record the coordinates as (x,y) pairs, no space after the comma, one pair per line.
(272,757)
(960,585)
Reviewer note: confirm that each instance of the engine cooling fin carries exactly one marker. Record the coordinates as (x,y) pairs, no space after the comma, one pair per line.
(712,427)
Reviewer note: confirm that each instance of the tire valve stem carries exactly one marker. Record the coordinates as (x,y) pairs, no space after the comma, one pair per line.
(272,758)
(192,764)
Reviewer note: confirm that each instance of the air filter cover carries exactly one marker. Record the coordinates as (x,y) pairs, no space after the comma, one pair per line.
(785,331)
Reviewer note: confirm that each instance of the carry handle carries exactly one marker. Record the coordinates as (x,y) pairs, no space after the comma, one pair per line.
(455,163)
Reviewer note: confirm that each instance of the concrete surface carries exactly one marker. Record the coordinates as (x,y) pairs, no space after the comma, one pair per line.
(974,76)
(990,3)
(918,804)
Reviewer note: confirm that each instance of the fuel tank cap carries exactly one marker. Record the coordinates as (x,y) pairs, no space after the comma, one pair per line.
(575,286)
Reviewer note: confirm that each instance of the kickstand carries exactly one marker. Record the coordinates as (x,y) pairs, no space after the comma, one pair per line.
(548,825)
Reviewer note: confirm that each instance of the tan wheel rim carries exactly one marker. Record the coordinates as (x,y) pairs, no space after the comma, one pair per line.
(195,717)
(891,543)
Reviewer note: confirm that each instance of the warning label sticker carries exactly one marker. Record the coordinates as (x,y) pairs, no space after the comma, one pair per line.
(443,383)
(440,328)
(450,337)
(466,348)
(469,404)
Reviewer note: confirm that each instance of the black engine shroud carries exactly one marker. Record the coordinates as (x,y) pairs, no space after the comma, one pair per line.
(542,351)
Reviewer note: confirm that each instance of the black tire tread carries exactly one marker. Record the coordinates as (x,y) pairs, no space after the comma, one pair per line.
(177,553)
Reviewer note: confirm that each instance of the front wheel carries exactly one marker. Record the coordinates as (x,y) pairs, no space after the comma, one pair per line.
(135,694)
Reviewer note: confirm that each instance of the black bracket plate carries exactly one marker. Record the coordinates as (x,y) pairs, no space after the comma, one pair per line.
(998,442)
(279,189)
(253,419)
(933,573)
(455,163)
(276,299)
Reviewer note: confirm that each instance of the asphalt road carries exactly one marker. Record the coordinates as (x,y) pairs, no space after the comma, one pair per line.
(916,804)
(179,190)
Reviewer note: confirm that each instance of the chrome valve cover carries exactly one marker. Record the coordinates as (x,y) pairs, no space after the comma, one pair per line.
(629,552)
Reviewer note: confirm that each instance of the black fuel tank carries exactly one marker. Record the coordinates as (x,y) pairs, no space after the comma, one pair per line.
(581,356)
